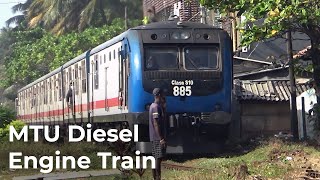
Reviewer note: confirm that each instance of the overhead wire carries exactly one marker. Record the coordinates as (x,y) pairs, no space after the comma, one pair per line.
(12,2)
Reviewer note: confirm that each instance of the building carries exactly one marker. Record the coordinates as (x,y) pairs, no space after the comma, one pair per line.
(263,98)
(162,9)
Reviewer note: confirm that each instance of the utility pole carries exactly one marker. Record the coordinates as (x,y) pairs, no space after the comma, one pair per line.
(125,18)
(293,102)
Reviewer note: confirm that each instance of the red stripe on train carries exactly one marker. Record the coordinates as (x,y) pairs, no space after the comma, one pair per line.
(78,108)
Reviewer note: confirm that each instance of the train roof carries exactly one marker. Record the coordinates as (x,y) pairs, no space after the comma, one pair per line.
(108,43)
(41,79)
(174,24)
(76,59)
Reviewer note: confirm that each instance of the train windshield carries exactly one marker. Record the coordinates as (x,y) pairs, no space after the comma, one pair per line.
(201,58)
(161,58)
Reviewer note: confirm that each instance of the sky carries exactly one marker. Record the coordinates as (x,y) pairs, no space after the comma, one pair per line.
(5,10)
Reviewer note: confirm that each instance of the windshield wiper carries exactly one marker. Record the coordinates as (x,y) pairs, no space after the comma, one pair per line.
(191,61)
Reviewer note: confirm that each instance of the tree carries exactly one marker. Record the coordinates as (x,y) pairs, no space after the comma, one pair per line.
(36,52)
(21,7)
(278,17)
(62,16)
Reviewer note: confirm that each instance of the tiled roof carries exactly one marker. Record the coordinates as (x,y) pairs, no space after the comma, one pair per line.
(271,90)
(302,53)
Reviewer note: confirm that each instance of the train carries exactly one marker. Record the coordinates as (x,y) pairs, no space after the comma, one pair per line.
(112,86)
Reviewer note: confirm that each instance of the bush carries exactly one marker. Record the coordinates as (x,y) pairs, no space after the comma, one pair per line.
(4,132)
(6,116)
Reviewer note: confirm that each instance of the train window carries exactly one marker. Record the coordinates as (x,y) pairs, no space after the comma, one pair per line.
(84,77)
(104,58)
(110,56)
(96,73)
(114,54)
(100,59)
(201,58)
(161,58)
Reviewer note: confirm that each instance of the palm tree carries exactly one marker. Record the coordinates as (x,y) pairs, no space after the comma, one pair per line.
(21,7)
(61,16)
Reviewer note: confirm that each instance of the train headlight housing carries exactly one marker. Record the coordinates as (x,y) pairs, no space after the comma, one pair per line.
(176,35)
(185,35)
(181,35)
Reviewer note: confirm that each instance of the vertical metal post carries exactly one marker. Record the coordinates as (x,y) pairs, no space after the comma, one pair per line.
(304,126)
(203,15)
(125,18)
(293,102)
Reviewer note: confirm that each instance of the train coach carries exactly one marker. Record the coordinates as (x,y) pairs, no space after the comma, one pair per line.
(112,85)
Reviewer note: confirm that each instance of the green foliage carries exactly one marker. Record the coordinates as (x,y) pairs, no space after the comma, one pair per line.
(279,16)
(4,132)
(6,116)
(61,16)
(36,52)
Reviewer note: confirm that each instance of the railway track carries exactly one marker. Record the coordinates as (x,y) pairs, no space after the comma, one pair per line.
(171,166)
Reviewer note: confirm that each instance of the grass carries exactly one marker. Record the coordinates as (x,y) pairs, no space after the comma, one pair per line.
(267,160)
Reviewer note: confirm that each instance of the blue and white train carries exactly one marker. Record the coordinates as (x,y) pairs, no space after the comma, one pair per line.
(113,82)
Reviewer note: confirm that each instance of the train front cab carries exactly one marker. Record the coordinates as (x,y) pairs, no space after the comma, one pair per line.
(192,63)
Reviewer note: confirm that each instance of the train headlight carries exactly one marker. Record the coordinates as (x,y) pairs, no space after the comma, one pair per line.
(181,35)
(185,35)
(176,35)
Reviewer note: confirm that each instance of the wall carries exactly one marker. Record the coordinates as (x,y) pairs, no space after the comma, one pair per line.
(163,9)
(265,118)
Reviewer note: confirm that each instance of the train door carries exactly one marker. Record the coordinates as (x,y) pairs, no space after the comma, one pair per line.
(77,94)
(48,102)
(106,103)
(35,99)
(70,103)
(94,84)
(59,98)
(52,119)
(45,107)
(83,91)
(73,104)
(54,99)
(42,112)
(65,101)
(39,104)
(123,80)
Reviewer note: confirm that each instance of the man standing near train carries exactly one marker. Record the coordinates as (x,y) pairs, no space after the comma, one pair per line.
(156,131)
